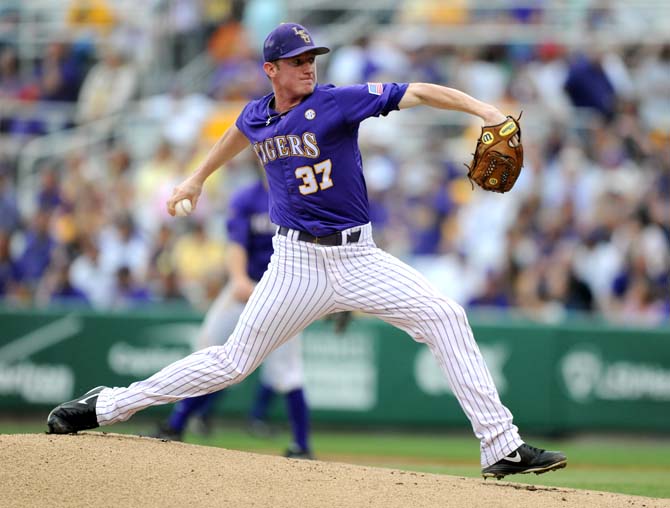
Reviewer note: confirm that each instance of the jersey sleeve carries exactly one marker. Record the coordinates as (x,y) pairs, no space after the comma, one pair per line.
(238,223)
(358,102)
(242,121)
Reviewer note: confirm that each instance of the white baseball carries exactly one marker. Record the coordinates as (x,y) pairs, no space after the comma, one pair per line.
(183,208)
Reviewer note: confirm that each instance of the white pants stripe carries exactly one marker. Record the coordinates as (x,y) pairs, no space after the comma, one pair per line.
(305,282)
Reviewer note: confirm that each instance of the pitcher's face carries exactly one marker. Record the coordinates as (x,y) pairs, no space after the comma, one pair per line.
(295,76)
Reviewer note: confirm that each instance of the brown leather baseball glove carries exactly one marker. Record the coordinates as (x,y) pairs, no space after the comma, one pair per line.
(498,157)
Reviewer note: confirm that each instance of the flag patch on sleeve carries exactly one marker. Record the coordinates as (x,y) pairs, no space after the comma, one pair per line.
(375,88)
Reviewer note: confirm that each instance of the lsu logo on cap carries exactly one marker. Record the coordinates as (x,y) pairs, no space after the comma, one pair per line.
(507,129)
(303,34)
(487,138)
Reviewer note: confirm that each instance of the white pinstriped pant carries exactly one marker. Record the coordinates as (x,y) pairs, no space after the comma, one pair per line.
(281,370)
(305,282)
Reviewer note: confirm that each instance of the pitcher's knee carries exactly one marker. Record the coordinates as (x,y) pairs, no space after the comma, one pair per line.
(233,370)
(449,311)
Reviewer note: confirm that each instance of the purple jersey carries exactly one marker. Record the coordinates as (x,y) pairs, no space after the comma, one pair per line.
(249,226)
(311,155)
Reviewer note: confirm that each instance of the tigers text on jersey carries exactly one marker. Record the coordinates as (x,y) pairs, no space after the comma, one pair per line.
(311,155)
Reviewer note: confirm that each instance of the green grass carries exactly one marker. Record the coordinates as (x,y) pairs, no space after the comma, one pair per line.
(617,464)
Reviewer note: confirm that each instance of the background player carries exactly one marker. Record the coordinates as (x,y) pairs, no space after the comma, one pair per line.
(325,259)
(250,234)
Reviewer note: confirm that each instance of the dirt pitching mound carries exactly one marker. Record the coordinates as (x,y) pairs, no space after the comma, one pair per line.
(98,469)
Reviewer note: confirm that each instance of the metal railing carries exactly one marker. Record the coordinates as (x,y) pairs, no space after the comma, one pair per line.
(131,125)
(53,115)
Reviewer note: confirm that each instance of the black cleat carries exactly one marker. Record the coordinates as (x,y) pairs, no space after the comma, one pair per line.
(296,452)
(167,433)
(75,415)
(526,459)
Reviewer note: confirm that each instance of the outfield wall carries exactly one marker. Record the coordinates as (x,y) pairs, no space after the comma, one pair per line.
(553,378)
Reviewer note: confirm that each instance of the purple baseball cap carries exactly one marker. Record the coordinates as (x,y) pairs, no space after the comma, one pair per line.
(287,40)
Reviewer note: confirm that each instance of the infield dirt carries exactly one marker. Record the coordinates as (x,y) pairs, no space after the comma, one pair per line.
(104,470)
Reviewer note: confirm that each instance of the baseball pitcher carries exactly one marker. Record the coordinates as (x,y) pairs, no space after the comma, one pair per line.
(325,259)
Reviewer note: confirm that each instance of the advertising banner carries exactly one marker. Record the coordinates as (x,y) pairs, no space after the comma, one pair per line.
(553,378)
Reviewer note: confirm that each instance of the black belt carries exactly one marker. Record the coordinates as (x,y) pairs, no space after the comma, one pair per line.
(330,240)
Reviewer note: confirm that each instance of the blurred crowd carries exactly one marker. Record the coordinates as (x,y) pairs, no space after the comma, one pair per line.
(585,230)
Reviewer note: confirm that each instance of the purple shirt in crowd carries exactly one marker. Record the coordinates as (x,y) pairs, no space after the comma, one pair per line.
(311,156)
(249,226)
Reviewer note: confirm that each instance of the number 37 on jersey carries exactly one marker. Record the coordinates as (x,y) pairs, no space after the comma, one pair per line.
(315,178)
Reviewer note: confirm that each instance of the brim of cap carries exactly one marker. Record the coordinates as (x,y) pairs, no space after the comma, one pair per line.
(318,50)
